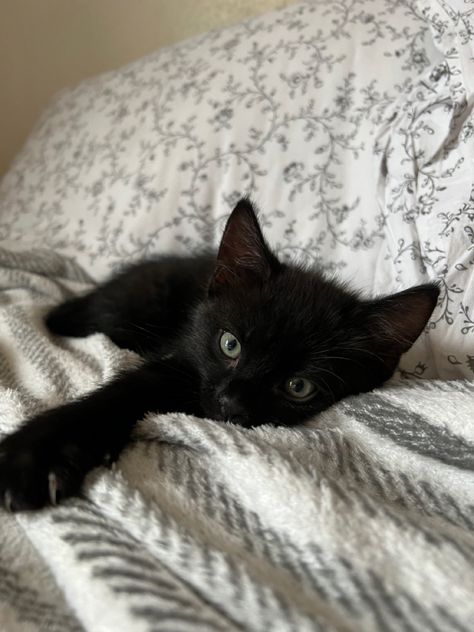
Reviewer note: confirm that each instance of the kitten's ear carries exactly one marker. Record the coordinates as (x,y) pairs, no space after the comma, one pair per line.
(396,321)
(243,259)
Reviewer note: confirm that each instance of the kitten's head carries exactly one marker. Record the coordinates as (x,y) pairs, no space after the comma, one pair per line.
(278,343)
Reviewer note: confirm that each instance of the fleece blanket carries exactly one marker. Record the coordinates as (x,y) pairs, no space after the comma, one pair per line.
(361,520)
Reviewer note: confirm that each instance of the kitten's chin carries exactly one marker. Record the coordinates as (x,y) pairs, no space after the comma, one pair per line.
(213,412)
(212,409)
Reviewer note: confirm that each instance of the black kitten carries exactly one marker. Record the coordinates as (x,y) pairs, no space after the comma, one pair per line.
(244,338)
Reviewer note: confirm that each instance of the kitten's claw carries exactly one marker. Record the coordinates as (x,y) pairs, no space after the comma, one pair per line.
(7,500)
(52,487)
(109,462)
(38,469)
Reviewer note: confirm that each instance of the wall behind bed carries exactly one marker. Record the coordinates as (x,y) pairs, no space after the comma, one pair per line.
(47,45)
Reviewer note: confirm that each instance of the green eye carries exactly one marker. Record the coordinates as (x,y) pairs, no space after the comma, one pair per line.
(299,388)
(229,345)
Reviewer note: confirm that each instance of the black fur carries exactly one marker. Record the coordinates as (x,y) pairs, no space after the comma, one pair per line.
(289,321)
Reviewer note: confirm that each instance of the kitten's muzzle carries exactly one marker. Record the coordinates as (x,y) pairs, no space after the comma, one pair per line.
(231,409)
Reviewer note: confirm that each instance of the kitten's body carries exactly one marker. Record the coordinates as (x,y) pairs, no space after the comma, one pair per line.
(241,338)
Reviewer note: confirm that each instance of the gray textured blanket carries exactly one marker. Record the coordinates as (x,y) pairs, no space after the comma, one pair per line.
(361,521)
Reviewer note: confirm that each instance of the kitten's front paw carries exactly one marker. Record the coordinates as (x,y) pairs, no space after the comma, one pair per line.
(37,469)
(71,318)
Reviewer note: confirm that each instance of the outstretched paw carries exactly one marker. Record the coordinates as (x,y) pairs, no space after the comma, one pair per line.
(38,469)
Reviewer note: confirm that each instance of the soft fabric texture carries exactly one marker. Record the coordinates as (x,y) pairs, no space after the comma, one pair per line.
(349,123)
(360,521)
(365,520)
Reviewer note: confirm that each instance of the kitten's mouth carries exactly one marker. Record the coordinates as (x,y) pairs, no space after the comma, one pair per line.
(219,405)
(214,411)
(238,420)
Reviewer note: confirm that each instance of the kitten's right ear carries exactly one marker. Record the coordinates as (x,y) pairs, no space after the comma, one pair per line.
(243,259)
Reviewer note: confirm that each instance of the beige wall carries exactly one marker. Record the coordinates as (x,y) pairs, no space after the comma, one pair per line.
(46,45)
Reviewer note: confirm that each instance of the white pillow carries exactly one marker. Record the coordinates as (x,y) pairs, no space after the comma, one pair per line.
(426,189)
(150,158)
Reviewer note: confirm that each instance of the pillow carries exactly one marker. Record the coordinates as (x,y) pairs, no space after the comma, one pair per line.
(285,107)
(151,157)
(426,191)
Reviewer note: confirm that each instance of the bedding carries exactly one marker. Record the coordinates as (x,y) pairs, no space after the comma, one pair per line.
(350,123)
(338,118)
(361,520)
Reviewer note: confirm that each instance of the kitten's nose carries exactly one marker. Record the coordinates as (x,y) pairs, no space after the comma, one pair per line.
(232,410)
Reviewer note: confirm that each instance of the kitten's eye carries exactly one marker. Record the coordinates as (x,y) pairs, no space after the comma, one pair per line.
(299,388)
(229,345)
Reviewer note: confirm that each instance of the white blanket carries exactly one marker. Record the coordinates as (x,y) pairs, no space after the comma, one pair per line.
(362,520)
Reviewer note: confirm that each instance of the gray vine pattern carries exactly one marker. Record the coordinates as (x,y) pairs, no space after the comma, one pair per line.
(348,122)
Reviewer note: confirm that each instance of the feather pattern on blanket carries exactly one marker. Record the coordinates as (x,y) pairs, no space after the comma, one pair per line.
(362,520)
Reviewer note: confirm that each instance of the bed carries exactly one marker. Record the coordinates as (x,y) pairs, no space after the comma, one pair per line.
(350,125)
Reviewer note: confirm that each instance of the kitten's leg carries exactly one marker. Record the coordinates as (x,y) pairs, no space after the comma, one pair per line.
(140,309)
(47,459)
(108,312)
(108,308)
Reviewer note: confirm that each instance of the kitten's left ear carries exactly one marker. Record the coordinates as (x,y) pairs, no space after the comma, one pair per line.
(243,259)
(396,321)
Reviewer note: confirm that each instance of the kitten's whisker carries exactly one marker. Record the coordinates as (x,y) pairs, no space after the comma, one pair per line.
(154,335)
(329,391)
(320,368)
(367,352)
